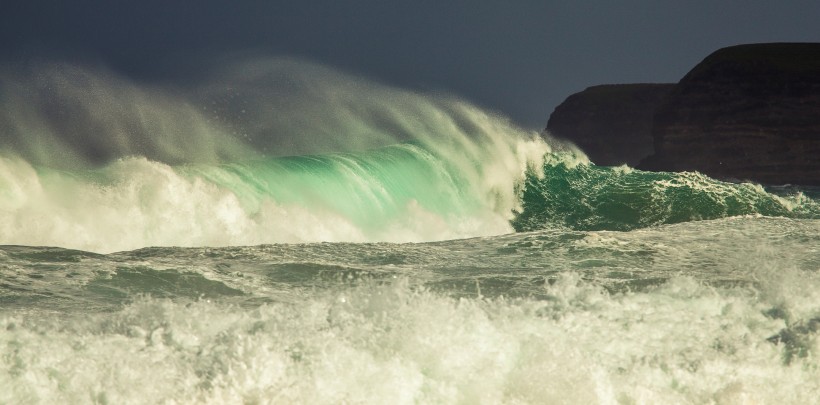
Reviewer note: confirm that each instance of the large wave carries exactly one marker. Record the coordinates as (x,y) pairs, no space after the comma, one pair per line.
(280,150)
(267,151)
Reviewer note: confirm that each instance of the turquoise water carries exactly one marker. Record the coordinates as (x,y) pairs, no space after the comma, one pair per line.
(429,253)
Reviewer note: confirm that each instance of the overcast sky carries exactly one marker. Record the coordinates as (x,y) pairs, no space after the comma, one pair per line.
(520,58)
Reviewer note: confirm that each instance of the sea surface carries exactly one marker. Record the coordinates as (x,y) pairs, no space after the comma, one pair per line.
(278,232)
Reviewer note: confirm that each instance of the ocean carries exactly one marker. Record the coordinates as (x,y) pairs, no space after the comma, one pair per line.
(278,232)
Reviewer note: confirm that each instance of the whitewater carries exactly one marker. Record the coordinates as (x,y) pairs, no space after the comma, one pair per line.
(275,231)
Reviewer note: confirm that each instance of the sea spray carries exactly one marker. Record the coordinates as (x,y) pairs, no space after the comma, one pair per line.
(94,161)
(69,116)
(281,150)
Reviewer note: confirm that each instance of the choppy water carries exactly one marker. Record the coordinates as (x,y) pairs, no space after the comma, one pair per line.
(429,253)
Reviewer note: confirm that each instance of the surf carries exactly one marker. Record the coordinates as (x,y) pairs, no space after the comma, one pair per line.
(483,252)
(280,150)
(264,151)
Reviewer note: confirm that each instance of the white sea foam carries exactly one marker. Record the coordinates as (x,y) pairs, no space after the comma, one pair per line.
(681,342)
(139,203)
(134,203)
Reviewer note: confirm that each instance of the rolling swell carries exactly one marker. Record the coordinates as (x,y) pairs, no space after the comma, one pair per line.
(589,197)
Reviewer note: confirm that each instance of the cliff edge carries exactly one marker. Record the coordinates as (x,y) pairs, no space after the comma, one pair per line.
(611,123)
(747,112)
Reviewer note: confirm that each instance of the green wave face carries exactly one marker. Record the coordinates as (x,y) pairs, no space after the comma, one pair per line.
(589,197)
(368,189)
(400,193)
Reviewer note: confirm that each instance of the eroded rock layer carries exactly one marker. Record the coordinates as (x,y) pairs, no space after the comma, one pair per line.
(747,112)
(611,123)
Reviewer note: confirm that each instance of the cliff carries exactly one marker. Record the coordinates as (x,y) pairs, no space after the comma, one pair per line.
(745,112)
(611,123)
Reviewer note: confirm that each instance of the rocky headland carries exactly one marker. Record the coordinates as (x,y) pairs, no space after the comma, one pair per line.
(611,123)
(747,112)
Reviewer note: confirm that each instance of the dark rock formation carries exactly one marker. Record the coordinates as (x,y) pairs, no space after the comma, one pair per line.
(745,112)
(610,123)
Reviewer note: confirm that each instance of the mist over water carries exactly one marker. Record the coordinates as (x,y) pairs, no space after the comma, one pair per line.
(470,261)
(70,116)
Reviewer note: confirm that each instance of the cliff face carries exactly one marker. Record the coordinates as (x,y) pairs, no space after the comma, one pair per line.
(610,123)
(745,112)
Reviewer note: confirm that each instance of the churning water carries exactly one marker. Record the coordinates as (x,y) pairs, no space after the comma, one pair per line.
(286,234)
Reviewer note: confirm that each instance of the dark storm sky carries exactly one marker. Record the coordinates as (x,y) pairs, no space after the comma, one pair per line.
(520,58)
